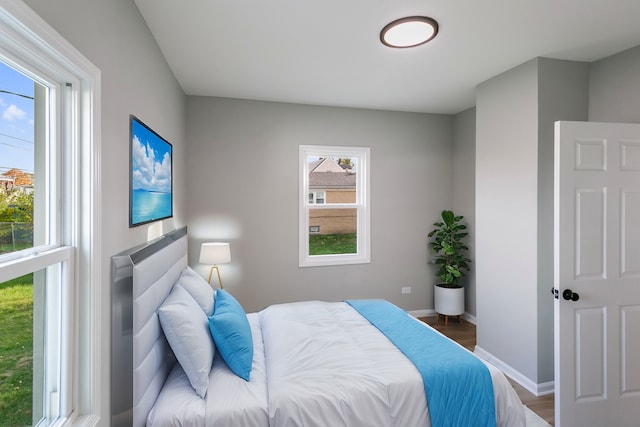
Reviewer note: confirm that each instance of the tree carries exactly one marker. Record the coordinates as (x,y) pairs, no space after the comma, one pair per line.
(16,206)
(4,206)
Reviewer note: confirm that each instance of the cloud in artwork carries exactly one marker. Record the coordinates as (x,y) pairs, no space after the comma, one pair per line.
(12,112)
(149,173)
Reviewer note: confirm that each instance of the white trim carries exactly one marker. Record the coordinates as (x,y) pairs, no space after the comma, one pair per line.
(21,266)
(469,318)
(427,312)
(537,390)
(27,36)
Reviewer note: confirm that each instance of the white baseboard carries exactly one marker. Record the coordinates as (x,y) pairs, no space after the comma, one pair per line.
(422,313)
(428,312)
(469,318)
(545,389)
(537,390)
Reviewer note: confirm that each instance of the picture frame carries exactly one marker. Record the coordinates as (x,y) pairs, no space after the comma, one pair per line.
(150,175)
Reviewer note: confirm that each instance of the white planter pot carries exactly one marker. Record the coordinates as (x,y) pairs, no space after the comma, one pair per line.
(448,301)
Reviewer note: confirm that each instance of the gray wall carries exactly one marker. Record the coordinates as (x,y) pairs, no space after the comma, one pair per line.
(135,79)
(614,88)
(514,182)
(464,191)
(243,188)
(506,216)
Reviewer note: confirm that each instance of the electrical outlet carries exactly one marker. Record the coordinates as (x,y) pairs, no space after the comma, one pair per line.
(406,290)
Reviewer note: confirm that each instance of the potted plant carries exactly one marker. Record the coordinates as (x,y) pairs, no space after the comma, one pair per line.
(452,263)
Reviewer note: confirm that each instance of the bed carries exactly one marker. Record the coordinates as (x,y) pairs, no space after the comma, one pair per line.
(312,363)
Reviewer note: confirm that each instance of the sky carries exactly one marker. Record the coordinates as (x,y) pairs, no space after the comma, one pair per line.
(151,156)
(151,160)
(16,121)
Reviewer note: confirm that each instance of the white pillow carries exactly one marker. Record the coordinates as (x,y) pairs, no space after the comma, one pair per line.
(187,329)
(199,289)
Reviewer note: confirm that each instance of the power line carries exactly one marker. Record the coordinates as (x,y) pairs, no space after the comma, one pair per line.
(16,94)
(15,146)
(15,137)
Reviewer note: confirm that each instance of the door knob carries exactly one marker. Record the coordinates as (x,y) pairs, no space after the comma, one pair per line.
(569,295)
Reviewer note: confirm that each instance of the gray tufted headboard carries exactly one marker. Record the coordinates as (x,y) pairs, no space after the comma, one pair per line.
(141,359)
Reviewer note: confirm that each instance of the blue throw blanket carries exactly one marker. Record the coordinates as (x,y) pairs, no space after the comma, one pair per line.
(458,386)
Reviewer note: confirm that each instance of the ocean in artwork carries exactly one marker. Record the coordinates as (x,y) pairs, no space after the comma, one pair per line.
(149,205)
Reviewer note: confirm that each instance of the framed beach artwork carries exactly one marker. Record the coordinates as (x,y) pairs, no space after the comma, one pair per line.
(151,183)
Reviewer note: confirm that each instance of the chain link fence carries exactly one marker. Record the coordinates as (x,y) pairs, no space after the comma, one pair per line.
(15,236)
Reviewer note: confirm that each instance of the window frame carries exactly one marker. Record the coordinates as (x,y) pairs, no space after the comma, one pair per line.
(29,43)
(362,205)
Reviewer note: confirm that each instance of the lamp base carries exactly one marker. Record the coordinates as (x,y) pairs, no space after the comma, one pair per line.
(211,273)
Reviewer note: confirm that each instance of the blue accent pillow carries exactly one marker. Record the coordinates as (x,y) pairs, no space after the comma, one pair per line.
(231,333)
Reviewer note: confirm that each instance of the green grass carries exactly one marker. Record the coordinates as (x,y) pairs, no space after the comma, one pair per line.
(16,351)
(327,244)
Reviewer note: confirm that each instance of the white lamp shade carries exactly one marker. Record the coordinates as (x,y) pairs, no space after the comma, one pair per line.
(215,253)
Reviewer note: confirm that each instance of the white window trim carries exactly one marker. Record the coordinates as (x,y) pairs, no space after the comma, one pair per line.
(363,256)
(23,34)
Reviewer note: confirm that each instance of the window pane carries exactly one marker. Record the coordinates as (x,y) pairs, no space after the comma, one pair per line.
(16,350)
(333,231)
(19,162)
(332,179)
(29,347)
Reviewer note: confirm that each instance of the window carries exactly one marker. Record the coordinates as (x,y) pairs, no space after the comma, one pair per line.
(31,218)
(334,205)
(317,197)
(49,234)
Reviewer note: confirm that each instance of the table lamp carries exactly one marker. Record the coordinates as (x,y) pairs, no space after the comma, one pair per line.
(214,254)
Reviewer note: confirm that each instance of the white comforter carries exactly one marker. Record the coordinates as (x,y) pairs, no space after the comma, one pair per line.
(322,364)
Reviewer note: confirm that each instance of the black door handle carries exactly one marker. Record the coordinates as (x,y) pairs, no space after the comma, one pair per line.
(569,295)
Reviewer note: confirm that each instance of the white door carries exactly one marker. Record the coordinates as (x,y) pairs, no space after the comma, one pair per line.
(597,274)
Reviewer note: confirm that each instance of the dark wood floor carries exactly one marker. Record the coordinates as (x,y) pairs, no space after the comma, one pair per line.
(464,333)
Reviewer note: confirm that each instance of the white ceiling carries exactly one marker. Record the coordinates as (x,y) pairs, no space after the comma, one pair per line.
(328,52)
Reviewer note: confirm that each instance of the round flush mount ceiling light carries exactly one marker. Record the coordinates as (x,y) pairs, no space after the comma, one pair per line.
(409,32)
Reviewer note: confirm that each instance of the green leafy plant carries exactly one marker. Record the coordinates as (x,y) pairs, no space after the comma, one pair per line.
(449,250)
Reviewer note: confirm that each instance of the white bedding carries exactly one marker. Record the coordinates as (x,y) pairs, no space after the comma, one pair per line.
(230,400)
(321,364)
(332,368)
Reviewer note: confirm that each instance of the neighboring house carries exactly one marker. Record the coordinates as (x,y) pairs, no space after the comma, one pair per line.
(6,183)
(15,178)
(332,183)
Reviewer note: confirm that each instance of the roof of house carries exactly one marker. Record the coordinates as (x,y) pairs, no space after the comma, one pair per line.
(327,164)
(332,180)
(327,173)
